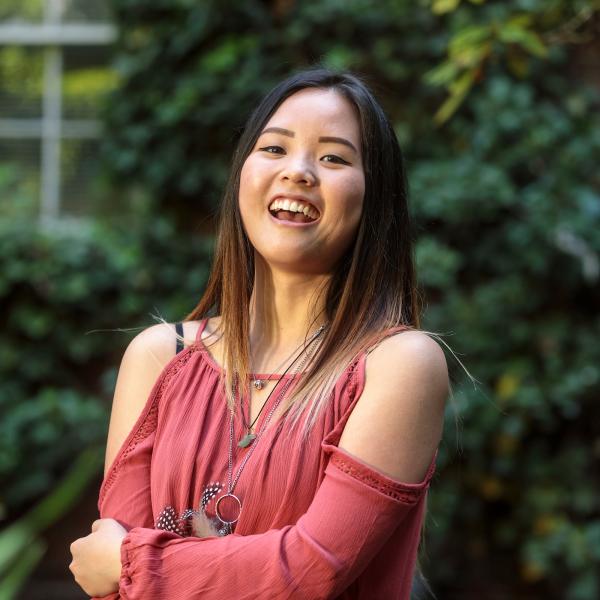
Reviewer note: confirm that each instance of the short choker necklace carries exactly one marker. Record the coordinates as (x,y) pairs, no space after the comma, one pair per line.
(259,384)
(229,501)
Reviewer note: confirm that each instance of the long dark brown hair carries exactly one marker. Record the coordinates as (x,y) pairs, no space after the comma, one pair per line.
(372,287)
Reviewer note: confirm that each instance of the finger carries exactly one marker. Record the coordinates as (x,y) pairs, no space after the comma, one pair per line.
(96,524)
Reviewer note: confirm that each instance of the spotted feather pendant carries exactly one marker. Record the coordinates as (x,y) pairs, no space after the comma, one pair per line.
(169,521)
(190,521)
(210,491)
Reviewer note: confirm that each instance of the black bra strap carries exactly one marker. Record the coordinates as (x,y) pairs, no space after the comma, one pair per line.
(179,330)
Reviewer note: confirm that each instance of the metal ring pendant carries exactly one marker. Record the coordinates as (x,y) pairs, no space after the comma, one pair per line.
(239,508)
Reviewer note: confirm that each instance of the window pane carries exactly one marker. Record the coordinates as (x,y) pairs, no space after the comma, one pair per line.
(81,187)
(21,82)
(19,177)
(87,10)
(22,10)
(86,80)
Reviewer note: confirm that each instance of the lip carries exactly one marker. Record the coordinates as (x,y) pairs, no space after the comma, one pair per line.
(298,197)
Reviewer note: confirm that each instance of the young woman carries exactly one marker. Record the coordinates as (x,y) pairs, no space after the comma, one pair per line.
(287,450)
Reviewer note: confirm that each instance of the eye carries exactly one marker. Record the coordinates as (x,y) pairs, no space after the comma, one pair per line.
(336,159)
(271,149)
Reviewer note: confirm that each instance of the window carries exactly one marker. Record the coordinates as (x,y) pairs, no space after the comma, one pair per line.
(54,74)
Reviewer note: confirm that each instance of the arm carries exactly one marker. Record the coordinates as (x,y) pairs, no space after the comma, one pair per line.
(125,491)
(126,499)
(145,358)
(372,484)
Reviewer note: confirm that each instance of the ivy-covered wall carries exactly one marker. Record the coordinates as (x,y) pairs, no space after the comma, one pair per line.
(501,134)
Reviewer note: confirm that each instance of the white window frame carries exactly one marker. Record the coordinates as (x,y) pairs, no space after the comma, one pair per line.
(53,35)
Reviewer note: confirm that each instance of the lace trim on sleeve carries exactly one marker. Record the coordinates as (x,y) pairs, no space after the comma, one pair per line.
(147,420)
(352,377)
(407,493)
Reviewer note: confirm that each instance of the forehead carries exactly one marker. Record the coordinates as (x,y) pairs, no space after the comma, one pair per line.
(324,112)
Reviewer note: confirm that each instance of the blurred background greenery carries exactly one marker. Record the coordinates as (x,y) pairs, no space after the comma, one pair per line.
(117,123)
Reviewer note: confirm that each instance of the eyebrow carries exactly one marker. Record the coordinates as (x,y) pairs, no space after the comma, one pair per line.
(326,138)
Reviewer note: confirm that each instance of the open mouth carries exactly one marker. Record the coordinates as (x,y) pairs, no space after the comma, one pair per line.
(293,210)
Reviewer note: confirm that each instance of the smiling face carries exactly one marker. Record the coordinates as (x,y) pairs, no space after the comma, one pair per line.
(302,185)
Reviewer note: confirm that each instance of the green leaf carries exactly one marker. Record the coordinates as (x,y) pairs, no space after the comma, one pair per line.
(25,561)
(470,36)
(440,7)
(442,74)
(458,90)
(517,34)
(470,56)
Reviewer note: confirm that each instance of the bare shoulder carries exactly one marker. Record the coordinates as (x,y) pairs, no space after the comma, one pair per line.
(146,356)
(411,356)
(154,345)
(158,342)
(397,423)
(149,352)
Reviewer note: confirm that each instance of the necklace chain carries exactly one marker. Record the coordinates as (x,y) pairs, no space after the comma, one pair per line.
(231,484)
(303,346)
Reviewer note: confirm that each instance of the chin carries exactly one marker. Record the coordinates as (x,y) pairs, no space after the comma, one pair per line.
(300,263)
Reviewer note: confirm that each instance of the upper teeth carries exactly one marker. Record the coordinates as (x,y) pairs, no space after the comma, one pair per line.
(294,206)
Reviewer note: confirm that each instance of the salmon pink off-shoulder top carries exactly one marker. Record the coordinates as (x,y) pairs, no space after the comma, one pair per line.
(316,522)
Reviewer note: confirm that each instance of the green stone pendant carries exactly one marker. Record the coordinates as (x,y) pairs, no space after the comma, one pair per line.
(246,440)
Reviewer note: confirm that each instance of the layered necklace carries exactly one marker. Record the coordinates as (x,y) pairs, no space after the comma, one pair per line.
(228,507)
(259,384)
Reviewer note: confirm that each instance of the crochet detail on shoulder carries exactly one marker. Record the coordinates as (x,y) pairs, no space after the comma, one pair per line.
(403,492)
(149,420)
(352,377)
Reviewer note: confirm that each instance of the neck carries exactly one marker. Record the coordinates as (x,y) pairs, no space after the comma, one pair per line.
(285,308)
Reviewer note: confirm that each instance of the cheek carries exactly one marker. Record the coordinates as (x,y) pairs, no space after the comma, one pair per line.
(253,175)
(246,191)
(252,186)
(354,194)
(245,186)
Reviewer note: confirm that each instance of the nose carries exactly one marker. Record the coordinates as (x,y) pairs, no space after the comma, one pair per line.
(299,172)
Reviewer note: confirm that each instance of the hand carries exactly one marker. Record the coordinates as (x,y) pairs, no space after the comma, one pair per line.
(96,564)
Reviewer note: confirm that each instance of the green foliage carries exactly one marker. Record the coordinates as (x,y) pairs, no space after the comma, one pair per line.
(516,212)
(31,10)
(506,197)
(21,544)
(68,294)
(513,32)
